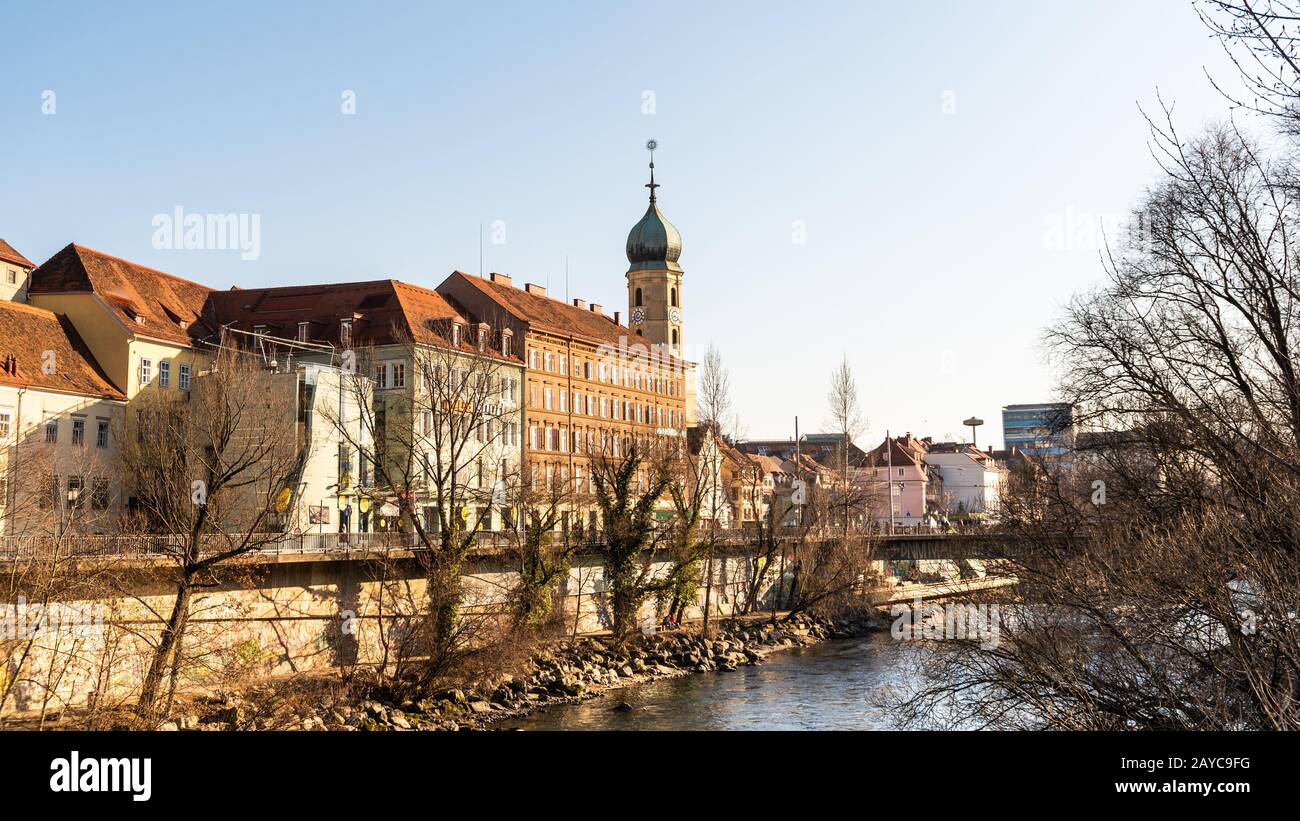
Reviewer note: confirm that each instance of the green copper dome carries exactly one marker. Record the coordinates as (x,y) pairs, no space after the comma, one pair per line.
(653,244)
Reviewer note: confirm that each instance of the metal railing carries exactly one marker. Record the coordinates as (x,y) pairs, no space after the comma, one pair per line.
(18,548)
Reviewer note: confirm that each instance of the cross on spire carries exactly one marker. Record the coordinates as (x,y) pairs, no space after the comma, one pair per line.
(652,185)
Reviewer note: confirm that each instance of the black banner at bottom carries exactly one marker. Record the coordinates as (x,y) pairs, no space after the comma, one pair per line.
(146,771)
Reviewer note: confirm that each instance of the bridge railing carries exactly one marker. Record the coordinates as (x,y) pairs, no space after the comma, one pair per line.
(20,548)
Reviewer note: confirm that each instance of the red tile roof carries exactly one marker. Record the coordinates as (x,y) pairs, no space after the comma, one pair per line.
(10,254)
(383,312)
(150,302)
(542,313)
(26,333)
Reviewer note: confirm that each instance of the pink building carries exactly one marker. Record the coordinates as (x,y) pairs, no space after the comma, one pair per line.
(896,476)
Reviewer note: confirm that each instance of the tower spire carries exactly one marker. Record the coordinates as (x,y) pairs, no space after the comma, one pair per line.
(652,185)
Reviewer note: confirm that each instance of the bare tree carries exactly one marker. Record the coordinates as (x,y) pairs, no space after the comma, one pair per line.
(1260,39)
(208,470)
(847,423)
(699,489)
(53,575)
(1159,566)
(443,449)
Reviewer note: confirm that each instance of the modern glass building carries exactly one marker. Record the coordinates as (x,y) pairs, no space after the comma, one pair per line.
(1045,429)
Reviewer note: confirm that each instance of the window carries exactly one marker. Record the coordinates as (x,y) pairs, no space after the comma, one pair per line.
(12,276)
(345,333)
(638,297)
(564,401)
(455,334)
(6,423)
(674,336)
(505,343)
(146,371)
(75,485)
(303,331)
(164,373)
(381,375)
(78,432)
(546,398)
(399,375)
(99,493)
(564,365)
(52,431)
(674,292)
(586,370)
(532,359)
(184,378)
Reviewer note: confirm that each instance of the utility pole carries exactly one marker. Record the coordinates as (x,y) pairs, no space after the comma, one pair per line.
(889,475)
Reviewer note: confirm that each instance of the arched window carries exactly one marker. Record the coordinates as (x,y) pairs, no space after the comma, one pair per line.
(674,336)
(674,297)
(638,297)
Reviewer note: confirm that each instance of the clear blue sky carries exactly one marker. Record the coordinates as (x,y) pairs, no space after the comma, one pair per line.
(927,257)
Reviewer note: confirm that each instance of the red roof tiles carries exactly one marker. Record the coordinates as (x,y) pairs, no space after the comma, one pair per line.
(10,254)
(543,313)
(383,312)
(152,303)
(27,333)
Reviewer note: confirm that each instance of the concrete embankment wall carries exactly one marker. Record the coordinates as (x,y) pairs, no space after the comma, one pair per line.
(298,614)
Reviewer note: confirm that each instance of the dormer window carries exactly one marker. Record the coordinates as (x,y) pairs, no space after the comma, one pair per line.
(484,332)
(455,334)
(505,342)
(303,331)
(345,332)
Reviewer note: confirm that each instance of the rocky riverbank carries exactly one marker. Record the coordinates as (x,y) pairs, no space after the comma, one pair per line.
(566,672)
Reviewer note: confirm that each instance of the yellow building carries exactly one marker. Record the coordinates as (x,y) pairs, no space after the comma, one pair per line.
(135,320)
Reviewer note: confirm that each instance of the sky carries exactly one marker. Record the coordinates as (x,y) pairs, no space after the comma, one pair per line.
(919,188)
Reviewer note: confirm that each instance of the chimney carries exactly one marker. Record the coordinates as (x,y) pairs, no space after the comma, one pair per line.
(595,308)
(616,316)
(580,303)
(538,290)
(500,279)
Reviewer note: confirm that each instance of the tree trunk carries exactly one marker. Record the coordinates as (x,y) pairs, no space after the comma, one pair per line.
(164,653)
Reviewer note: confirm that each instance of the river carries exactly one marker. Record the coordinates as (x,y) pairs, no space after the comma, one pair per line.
(837,685)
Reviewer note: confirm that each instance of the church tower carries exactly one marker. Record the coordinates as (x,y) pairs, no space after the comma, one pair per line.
(654,279)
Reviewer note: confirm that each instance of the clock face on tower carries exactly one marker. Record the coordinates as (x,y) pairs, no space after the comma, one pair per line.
(676,316)
(638,316)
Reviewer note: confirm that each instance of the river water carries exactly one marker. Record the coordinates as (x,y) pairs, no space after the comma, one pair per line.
(837,685)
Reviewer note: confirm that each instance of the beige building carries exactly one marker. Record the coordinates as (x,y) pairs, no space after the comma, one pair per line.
(14,270)
(60,419)
(590,385)
(415,345)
